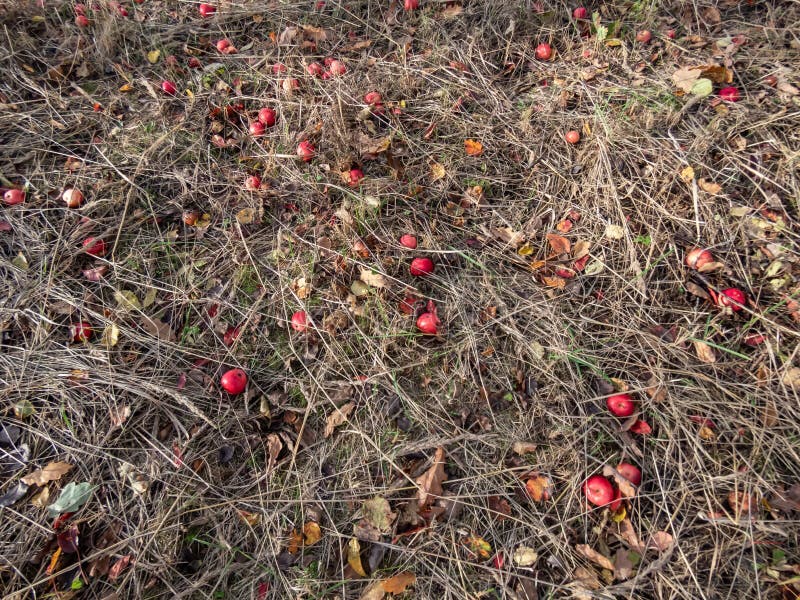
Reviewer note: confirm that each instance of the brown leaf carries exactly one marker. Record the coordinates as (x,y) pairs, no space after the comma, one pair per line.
(580,249)
(430,482)
(539,487)
(626,488)
(709,186)
(742,503)
(158,329)
(373,279)
(274,446)
(337,417)
(51,472)
(554,282)
(587,579)
(500,508)
(368,145)
(508,236)
(316,34)
(473,147)
(287,36)
(119,415)
(376,521)
(399,583)
(594,556)
(311,533)
(558,243)
(295,541)
(628,534)
(660,540)
(374,591)
(705,352)
(623,565)
(116,570)
(452,11)
(523,448)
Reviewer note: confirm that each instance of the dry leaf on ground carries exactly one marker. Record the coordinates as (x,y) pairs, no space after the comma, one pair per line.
(430,482)
(626,488)
(354,557)
(398,583)
(376,521)
(51,472)
(473,147)
(311,533)
(705,352)
(337,417)
(623,565)
(373,279)
(594,556)
(539,487)
(558,243)
(660,540)
(524,556)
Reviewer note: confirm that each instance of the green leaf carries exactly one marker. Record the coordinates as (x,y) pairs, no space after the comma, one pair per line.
(602,33)
(702,87)
(72,497)
(76,584)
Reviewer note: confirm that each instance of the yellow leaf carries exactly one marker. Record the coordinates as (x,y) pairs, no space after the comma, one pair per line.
(126,88)
(540,488)
(705,352)
(251,519)
(473,147)
(479,546)
(246,216)
(525,556)
(437,172)
(153,56)
(620,515)
(311,533)
(687,174)
(127,300)
(399,583)
(354,557)
(709,186)
(41,499)
(110,336)
(526,250)
(613,43)
(706,433)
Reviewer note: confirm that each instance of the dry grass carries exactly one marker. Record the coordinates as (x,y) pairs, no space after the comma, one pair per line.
(537,369)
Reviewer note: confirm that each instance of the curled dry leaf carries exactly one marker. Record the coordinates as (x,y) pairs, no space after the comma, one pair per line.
(398,583)
(523,448)
(437,172)
(376,521)
(558,243)
(274,446)
(539,487)
(473,147)
(705,352)
(508,236)
(629,536)
(594,556)
(524,556)
(118,567)
(373,279)
(337,417)
(623,565)
(51,472)
(311,533)
(430,482)
(354,557)
(709,186)
(660,540)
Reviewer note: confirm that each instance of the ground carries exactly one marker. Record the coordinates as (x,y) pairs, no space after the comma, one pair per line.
(366,458)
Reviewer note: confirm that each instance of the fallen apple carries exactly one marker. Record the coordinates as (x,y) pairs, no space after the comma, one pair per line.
(410,4)
(421,266)
(338,68)
(257,129)
(729,94)
(630,472)
(168,88)
(408,241)
(231,335)
(81,21)
(572,137)
(355,176)
(643,36)
(315,69)
(252,183)
(300,321)
(94,246)
(696,258)
(194,63)
(616,502)
(234,381)
(428,323)
(580,13)
(81,331)
(544,51)
(13,197)
(206,10)
(267,116)
(621,405)
(279,68)
(373,97)
(732,298)
(306,150)
(72,197)
(598,490)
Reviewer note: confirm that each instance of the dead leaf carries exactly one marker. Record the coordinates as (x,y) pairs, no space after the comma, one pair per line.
(41,499)
(374,591)
(437,172)
(119,415)
(311,533)
(580,249)
(153,56)
(110,336)
(116,570)
(524,556)
(373,146)
(250,518)
(399,583)
(742,504)
(51,472)
(500,508)
(354,557)
(587,579)
(626,488)
(660,540)
(478,546)
(623,565)
(302,287)
(376,521)
(316,34)
(554,282)
(337,417)
(373,279)
(594,556)
(705,352)
(628,534)
(158,329)
(540,488)
(274,446)
(687,175)
(523,448)
(508,236)
(473,147)
(614,232)
(246,216)
(287,36)
(451,11)
(709,186)
(558,243)
(791,378)
(430,482)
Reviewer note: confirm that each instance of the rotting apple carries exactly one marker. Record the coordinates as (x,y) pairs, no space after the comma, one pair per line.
(252,183)
(421,266)
(306,150)
(355,176)
(315,69)
(544,51)
(643,36)
(13,197)
(598,490)
(630,472)
(94,246)
(279,68)
(81,331)
(373,97)
(572,137)
(621,405)
(732,298)
(234,381)
(408,241)
(696,258)
(72,197)
(338,68)
(300,321)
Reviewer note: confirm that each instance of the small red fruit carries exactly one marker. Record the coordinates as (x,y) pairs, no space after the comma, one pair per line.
(732,298)
(168,88)
(356,175)
(328,60)
(644,36)
(257,129)
(252,183)
(598,490)
(300,321)
(696,258)
(630,472)
(267,116)
(80,331)
(315,69)
(620,405)
(410,4)
(306,150)
(338,68)
(616,502)
(81,21)
(231,335)
(373,97)
(428,323)
(289,85)
(572,137)
(234,381)
(225,46)
(408,241)
(194,63)
(94,246)
(279,68)
(729,94)
(206,10)
(13,197)
(544,51)
(421,267)
(408,305)
(580,13)
(671,34)
(73,197)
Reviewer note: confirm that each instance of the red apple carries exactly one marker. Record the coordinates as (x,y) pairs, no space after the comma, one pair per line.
(572,137)
(206,10)
(580,13)
(300,321)
(544,51)
(671,34)
(13,197)
(696,258)
(315,69)
(356,175)
(234,381)
(194,63)
(732,298)
(598,490)
(421,267)
(81,21)
(373,97)
(252,183)
(644,36)
(80,331)
(409,241)
(306,150)
(338,68)
(231,335)
(630,472)
(288,85)
(257,129)
(72,197)
(279,68)
(267,116)
(621,405)
(168,88)
(428,323)
(729,94)
(410,4)
(225,46)
(94,246)
(616,502)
